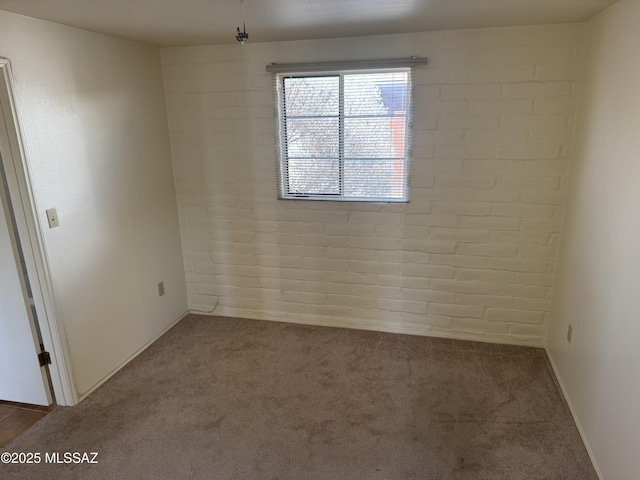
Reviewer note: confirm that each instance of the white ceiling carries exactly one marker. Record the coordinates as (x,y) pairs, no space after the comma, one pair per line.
(200,22)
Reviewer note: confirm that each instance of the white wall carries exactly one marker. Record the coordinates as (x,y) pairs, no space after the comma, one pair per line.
(471,256)
(597,283)
(93,117)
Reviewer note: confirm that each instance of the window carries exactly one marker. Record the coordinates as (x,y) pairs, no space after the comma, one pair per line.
(344,135)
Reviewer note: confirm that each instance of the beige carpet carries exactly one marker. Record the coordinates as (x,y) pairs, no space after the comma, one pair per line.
(219,398)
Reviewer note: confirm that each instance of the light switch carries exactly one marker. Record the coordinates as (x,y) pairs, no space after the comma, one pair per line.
(52,217)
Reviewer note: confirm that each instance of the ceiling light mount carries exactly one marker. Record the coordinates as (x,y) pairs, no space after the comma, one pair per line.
(242,36)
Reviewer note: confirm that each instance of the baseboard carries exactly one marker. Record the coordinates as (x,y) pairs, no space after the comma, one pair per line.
(360,324)
(575,416)
(123,364)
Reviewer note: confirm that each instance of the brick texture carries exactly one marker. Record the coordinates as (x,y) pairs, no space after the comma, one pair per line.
(472,255)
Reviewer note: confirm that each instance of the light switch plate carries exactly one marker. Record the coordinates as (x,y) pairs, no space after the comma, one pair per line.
(52,217)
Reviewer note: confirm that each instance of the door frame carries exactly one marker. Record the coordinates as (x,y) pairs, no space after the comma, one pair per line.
(33,245)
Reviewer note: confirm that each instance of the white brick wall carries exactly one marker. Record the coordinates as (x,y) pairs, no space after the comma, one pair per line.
(471,256)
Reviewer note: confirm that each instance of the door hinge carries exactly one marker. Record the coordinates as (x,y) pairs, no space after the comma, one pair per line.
(44,358)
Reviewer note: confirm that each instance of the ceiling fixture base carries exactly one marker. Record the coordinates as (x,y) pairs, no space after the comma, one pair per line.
(242,36)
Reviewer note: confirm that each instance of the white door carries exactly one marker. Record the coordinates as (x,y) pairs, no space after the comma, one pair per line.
(21,377)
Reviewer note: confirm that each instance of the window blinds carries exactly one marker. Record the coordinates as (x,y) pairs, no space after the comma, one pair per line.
(344,135)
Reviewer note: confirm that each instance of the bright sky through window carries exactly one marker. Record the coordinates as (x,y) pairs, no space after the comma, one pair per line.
(344,135)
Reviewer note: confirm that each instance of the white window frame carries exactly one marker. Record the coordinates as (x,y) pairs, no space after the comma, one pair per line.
(284,192)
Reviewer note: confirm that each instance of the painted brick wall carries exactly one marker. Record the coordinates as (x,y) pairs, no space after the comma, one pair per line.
(472,254)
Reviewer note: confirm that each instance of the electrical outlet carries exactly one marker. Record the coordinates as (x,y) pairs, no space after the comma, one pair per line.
(52,218)
(161,289)
(569,333)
